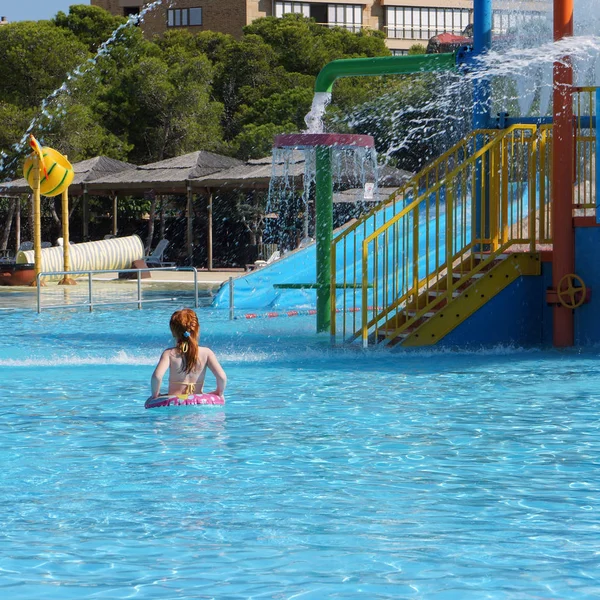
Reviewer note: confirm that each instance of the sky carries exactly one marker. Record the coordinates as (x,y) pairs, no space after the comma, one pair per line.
(34,10)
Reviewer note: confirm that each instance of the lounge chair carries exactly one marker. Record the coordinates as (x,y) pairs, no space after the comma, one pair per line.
(156,258)
(263,263)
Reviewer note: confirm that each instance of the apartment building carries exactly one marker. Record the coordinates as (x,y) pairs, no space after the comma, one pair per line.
(405,22)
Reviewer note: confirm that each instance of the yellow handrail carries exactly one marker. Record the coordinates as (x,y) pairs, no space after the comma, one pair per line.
(347,243)
(414,251)
(459,202)
(404,260)
(501,175)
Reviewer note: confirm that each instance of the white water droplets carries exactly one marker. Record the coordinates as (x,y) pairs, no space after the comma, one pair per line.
(295,169)
(52,107)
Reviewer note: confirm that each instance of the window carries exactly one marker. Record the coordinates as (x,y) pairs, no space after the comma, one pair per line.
(283,8)
(503,20)
(182,17)
(399,52)
(195,16)
(417,23)
(348,16)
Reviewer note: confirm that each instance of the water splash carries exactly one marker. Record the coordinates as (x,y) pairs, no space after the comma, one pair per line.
(314,119)
(19,149)
(519,67)
(295,169)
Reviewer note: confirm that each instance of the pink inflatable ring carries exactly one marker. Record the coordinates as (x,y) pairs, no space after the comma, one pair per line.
(193,400)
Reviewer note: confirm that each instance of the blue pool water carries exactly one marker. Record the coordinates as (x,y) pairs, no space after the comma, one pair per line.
(328,474)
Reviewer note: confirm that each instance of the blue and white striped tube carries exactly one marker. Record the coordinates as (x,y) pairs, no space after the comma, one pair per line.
(116,253)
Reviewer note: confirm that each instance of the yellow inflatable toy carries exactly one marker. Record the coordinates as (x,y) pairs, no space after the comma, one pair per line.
(56,171)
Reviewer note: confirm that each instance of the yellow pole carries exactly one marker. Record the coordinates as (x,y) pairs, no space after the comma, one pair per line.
(66,280)
(37,221)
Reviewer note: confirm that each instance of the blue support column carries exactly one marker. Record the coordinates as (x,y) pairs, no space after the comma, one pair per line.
(482,42)
(597,153)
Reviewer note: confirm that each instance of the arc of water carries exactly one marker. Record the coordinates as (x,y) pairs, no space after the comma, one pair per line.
(104,48)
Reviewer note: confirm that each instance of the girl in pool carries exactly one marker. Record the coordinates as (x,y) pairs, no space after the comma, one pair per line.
(187,362)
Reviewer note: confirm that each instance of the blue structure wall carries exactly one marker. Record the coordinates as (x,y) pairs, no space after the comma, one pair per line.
(512,318)
(587,317)
(546,310)
(520,316)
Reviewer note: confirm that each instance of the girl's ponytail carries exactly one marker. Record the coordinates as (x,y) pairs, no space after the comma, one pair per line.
(186,330)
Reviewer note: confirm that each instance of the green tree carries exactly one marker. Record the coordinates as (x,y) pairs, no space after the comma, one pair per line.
(303,46)
(35,58)
(77,132)
(211,43)
(286,108)
(256,141)
(417,49)
(91,25)
(162,106)
(14,121)
(248,68)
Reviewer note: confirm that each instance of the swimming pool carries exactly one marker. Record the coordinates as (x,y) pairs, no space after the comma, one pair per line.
(328,474)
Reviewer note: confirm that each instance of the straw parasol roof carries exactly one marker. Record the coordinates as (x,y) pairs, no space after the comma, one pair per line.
(172,175)
(257,173)
(388,181)
(85,171)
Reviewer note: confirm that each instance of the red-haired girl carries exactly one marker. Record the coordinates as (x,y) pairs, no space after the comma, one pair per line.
(187,362)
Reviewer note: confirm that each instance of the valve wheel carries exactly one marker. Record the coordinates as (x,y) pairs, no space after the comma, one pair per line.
(571,291)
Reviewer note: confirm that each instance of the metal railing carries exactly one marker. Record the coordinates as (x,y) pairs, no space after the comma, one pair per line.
(584,111)
(585,163)
(544,169)
(410,246)
(348,244)
(91,273)
(407,266)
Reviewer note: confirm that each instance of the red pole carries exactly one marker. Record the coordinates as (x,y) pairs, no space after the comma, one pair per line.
(563,255)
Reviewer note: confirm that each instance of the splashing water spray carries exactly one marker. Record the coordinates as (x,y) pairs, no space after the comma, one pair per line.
(328,153)
(9,165)
(480,67)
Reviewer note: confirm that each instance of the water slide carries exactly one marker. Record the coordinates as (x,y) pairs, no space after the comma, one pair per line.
(256,290)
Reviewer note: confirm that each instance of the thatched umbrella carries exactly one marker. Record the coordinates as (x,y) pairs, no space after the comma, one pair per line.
(257,174)
(171,176)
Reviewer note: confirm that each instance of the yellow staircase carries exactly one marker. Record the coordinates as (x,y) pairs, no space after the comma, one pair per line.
(424,261)
(427,326)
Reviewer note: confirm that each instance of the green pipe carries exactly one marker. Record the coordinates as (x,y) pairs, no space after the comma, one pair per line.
(382,65)
(324,234)
(351,67)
